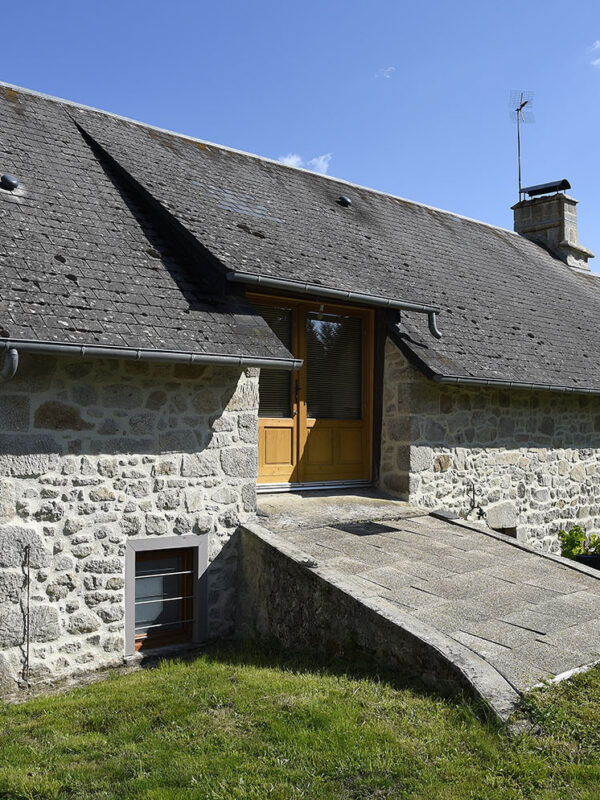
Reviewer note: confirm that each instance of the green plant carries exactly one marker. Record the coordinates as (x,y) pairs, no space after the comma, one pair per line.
(575,542)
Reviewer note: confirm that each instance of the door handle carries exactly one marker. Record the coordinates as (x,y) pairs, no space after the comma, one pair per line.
(296,397)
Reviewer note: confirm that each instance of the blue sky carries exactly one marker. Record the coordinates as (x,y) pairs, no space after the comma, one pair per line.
(409,98)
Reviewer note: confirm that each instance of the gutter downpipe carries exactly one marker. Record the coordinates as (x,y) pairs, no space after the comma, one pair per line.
(10,366)
(133,354)
(339,294)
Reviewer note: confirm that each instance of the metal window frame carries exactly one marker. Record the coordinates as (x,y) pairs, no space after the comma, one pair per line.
(199,546)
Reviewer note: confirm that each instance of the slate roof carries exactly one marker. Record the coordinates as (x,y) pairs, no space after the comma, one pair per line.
(82,262)
(510,310)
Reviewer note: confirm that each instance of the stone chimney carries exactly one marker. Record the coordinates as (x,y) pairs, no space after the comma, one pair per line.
(549,218)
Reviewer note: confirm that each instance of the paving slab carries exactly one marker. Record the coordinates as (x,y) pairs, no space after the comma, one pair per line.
(528,616)
(499,632)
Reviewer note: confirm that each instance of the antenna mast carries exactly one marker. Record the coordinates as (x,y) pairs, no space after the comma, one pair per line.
(518,101)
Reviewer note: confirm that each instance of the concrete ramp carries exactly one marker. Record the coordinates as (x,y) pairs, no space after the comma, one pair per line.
(457,605)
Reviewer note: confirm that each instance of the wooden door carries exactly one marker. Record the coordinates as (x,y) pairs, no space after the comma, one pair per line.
(335,415)
(315,424)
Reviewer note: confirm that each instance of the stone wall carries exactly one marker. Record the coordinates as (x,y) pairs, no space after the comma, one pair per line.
(93,452)
(533,457)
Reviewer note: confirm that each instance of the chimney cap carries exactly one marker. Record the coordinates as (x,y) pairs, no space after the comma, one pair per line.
(546,188)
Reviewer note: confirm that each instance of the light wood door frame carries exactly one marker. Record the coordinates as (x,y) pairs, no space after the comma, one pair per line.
(301,471)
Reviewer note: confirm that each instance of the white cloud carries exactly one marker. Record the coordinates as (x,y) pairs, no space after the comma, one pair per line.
(595,62)
(385,72)
(291,160)
(317,164)
(320,163)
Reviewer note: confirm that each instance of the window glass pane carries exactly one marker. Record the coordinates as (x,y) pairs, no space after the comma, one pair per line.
(275,384)
(163,588)
(159,613)
(146,564)
(333,366)
(157,587)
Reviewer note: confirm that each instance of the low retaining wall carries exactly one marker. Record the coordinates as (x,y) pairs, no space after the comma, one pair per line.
(285,597)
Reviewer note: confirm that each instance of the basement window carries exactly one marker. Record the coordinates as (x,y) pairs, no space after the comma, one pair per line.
(164,597)
(165,592)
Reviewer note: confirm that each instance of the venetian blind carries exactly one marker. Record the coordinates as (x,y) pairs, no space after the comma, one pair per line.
(275,384)
(333,366)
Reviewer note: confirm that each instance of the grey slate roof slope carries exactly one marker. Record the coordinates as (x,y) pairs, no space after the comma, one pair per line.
(510,311)
(82,262)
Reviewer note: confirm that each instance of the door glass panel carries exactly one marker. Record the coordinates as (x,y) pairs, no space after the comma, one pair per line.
(333,366)
(275,385)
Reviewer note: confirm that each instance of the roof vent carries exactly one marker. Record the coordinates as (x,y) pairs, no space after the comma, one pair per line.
(344,201)
(8,182)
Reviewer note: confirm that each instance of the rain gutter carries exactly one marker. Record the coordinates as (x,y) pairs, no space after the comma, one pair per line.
(465,380)
(457,380)
(339,294)
(143,354)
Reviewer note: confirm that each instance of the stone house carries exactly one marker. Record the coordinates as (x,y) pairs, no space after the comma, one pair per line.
(184,325)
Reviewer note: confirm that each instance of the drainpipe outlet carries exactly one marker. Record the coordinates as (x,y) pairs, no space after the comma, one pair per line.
(10,366)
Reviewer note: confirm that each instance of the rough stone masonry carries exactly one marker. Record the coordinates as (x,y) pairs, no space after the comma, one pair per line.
(93,452)
(532,457)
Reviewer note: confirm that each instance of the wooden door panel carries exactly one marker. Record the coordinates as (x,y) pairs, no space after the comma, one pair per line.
(320,447)
(279,444)
(350,446)
(335,450)
(277,450)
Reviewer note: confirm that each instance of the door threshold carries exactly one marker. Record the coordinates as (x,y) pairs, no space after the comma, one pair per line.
(269,488)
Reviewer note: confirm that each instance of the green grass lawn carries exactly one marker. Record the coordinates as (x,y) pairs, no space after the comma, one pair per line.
(238,723)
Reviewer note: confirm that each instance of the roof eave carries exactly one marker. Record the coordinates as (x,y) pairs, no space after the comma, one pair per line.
(147,354)
(315,289)
(465,380)
(468,380)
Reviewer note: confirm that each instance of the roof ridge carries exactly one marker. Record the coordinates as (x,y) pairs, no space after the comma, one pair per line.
(83,107)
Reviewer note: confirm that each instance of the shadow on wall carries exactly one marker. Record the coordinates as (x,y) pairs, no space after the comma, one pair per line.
(460,417)
(56,407)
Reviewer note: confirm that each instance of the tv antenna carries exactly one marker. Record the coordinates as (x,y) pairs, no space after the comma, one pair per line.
(520,111)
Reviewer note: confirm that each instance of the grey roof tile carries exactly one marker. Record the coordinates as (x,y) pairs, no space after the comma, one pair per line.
(84,263)
(510,311)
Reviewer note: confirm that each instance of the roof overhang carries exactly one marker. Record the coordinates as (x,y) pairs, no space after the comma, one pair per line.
(470,380)
(315,289)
